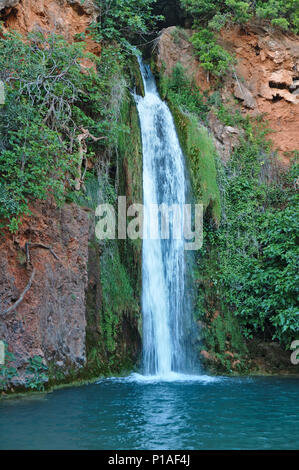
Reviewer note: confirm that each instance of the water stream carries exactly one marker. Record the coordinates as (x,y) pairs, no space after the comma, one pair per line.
(167,315)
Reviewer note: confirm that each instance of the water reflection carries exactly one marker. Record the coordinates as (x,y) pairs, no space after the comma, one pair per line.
(126,414)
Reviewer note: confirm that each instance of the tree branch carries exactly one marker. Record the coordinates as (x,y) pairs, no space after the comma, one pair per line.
(38,245)
(14,306)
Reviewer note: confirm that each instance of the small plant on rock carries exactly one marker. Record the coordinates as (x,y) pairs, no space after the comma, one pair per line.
(37,378)
(7,371)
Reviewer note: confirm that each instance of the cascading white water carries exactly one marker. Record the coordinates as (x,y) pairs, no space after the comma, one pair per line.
(166,315)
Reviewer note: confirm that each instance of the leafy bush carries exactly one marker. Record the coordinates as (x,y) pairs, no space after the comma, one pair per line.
(37,377)
(124,20)
(281,13)
(7,371)
(183,92)
(50,97)
(256,274)
(213,57)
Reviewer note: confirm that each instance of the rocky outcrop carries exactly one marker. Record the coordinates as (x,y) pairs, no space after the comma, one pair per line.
(265,79)
(226,138)
(173,47)
(50,321)
(67,17)
(8,3)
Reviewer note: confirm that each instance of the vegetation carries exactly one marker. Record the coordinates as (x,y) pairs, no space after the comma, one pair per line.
(183,92)
(255,272)
(248,267)
(124,21)
(209,17)
(50,97)
(36,372)
(118,296)
(215,14)
(55,91)
(7,370)
(190,108)
(213,58)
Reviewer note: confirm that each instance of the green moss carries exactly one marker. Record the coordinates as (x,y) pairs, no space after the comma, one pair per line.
(130,151)
(189,109)
(114,312)
(133,71)
(200,152)
(118,295)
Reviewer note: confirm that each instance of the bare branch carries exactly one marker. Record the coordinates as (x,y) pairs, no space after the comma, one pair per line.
(20,299)
(82,153)
(39,245)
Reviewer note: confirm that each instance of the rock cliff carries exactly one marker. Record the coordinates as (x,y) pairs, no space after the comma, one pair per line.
(50,321)
(265,80)
(51,268)
(67,17)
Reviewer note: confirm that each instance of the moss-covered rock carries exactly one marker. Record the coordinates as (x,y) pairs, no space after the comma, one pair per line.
(113,307)
(200,153)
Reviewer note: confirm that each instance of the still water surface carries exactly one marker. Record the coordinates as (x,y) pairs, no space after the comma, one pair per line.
(133,413)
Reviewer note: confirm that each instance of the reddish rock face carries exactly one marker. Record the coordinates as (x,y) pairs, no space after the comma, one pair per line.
(66,17)
(50,321)
(269,68)
(173,49)
(8,3)
(265,80)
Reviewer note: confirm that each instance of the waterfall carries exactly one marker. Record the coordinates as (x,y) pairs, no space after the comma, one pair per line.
(167,315)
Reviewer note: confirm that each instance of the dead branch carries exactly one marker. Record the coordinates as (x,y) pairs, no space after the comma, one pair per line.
(38,245)
(82,154)
(14,306)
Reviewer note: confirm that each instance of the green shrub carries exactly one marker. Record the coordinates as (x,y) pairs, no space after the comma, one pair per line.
(37,374)
(257,242)
(213,58)
(284,14)
(123,20)
(50,96)
(7,370)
